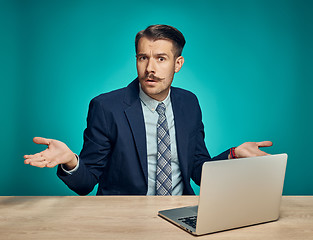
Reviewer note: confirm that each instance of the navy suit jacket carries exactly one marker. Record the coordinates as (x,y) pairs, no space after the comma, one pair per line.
(114,153)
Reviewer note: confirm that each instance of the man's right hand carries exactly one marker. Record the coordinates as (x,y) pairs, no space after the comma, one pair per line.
(56,153)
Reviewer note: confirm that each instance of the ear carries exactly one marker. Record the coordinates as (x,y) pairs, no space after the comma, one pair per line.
(179,63)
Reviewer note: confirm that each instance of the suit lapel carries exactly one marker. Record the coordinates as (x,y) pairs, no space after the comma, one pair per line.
(135,119)
(180,131)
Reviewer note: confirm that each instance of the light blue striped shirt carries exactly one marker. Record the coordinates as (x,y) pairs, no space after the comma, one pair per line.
(151,118)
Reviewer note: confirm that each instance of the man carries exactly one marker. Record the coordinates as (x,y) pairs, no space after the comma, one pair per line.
(145,139)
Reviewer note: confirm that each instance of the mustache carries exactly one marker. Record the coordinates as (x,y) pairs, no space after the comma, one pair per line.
(153,77)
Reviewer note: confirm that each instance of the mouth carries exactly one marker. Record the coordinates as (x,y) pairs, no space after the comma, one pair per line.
(150,80)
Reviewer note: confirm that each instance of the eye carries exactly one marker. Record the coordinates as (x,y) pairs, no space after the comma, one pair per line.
(161,59)
(142,58)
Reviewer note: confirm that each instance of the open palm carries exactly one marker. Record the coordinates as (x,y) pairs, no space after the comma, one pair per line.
(56,153)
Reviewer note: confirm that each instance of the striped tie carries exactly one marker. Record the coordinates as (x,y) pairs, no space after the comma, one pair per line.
(164,169)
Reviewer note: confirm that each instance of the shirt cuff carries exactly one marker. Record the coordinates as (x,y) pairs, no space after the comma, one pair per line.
(74,169)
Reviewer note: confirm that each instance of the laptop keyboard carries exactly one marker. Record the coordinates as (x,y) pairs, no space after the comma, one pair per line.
(190,221)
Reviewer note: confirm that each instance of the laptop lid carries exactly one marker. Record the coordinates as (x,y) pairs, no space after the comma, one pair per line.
(236,193)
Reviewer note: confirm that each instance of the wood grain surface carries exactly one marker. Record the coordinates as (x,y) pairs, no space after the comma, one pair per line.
(133,217)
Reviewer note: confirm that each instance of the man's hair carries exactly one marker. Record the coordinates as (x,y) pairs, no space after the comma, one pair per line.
(165,32)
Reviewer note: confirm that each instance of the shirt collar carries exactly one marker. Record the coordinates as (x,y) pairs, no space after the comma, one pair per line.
(151,103)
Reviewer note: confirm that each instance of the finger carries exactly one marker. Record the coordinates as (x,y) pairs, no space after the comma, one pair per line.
(34,155)
(35,159)
(39,164)
(262,153)
(40,140)
(264,144)
(52,164)
(37,155)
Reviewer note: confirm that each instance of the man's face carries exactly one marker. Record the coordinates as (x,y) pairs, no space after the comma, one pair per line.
(156,66)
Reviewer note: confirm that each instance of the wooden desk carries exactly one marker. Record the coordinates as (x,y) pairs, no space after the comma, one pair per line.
(133,218)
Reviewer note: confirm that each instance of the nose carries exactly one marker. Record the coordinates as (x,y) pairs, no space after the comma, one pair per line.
(150,66)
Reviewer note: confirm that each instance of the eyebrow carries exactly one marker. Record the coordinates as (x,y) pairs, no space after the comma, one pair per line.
(158,54)
(140,55)
(161,54)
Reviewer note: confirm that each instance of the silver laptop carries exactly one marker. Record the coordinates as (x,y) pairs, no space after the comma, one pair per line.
(234,193)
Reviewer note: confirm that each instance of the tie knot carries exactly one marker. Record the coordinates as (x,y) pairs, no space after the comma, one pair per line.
(161,108)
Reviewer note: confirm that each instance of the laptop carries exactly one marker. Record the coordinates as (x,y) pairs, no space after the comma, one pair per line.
(234,193)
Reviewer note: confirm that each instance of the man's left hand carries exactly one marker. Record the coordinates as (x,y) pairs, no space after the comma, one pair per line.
(251,149)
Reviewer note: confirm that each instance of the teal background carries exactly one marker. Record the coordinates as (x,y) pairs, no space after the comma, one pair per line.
(249,62)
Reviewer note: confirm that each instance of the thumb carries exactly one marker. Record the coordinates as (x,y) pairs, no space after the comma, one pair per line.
(40,140)
(264,144)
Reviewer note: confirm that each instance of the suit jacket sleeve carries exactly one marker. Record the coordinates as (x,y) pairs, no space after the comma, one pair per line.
(201,153)
(93,157)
